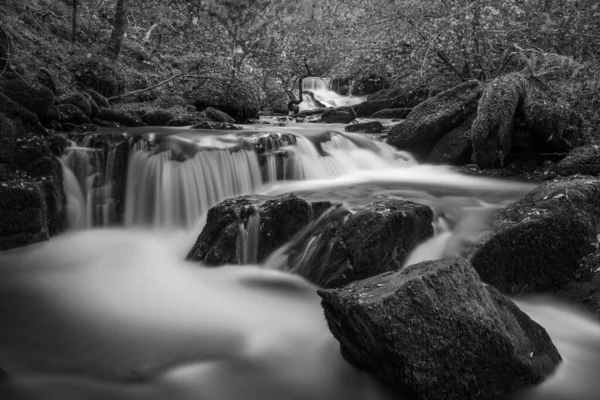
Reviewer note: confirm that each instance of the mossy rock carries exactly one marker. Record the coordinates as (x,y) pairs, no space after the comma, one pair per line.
(101,75)
(582,160)
(71,114)
(23,214)
(394,113)
(435,117)
(218,116)
(157,118)
(538,242)
(455,147)
(39,101)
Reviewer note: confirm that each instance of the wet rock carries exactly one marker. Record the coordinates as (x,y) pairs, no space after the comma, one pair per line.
(157,118)
(121,117)
(584,287)
(366,127)
(70,114)
(338,115)
(342,247)
(582,160)
(493,129)
(392,99)
(57,144)
(538,242)
(435,331)
(39,101)
(181,122)
(23,214)
(218,116)
(394,113)
(455,147)
(275,222)
(435,117)
(215,125)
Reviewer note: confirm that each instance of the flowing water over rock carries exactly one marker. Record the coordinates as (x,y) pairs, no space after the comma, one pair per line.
(323,94)
(117,314)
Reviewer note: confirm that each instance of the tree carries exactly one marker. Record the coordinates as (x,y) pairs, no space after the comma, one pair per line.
(113,48)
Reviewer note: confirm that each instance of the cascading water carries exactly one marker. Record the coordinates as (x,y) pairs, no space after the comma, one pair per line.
(116,314)
(322,94)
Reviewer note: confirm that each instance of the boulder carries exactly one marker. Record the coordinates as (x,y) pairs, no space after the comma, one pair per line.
(366,127)
(582,160)
(270,223)
(157,118)
(394,113)
(181,122)
(435,117)
(338,115)
(584,287)
(46,78)
(23,214)
(538,242)
(455,147)
(39,101)
(434,331)
(121,117)
(218,116)
(342,247)
(71,114)
(15,111)
(393,98)
(207,124)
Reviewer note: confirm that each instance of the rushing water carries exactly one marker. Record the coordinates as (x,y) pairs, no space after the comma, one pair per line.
(116,313)
(324,93)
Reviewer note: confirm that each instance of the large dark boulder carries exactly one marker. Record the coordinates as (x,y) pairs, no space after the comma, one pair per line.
(393,98)
(218,116)
(270,223)
(394,113)
(342,247)
(121,117)
(157,118)
(434,331)
(39,101)
(582,160)
(538,242)
(493,129)
(15,111)
(366,127)
(435,117)
(338,115)
(584,287)
(455,147)
(23,214)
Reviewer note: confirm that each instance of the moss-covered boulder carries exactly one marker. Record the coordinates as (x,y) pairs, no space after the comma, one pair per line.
(342,247)
(338,115)
(538,242)
(39,101)
(434,331)
(583,160)
(218,116)
(584,287)
(394,113)
(23,214)
(366,127)
(455,147)
(393,98)
(435,117)
(14,111)
(157,118)
(492,131)
(100,100)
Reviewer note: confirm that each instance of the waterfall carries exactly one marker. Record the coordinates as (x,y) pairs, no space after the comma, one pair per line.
(91,170)
(324,93)
(167,193)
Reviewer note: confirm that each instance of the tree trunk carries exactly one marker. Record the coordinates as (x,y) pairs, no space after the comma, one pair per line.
(113,48)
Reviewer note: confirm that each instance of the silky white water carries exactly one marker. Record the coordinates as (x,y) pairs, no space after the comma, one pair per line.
(117,314)
(323,92)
